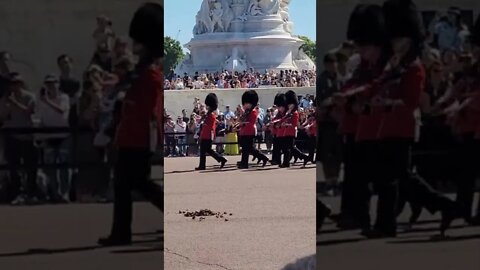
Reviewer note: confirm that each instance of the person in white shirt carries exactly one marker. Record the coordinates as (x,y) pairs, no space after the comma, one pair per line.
(53,110)
(181,128)
(16,109)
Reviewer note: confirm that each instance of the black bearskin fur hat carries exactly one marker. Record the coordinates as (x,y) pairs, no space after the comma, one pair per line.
(366,25)
(291,98)
(211,101)
(403,20)
(146,28)
(280,100)
(251,97)
(475,36)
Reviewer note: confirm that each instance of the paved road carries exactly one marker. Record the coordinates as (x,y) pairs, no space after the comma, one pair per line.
(415,250)
(64,237)
(273,220)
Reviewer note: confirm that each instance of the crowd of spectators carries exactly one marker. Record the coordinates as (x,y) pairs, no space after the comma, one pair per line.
(181,134)
(245,79)
(90,103)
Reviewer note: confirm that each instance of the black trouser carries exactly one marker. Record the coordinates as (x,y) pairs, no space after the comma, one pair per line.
(331,150)
(246,143)
(277,150)
(419,193)
(206,148)
(467,162)
(297,153)
(311,145)
(132,172)
(348,191)
(395,164)
(364,170)
(15,151)
(287,144)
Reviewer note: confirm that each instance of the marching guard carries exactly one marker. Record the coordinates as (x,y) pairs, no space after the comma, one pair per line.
(248,130)
(274,125)
(207,133)
(289,124)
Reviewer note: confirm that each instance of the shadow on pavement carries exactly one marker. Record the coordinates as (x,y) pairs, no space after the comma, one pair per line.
(158,246)
(437,239)
(338,241)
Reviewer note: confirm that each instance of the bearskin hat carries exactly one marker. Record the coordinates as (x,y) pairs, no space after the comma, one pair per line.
(291,98)
(403,20)
(211,101)
(146,28)
(366,25)
(475,35)
(251,97)
(280,100)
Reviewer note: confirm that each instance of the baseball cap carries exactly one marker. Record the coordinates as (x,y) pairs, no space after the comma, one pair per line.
(51,78)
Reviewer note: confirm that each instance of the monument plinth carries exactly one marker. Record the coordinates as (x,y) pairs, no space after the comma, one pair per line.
(237,35)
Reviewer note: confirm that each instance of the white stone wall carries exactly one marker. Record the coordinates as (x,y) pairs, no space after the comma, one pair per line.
(176,100)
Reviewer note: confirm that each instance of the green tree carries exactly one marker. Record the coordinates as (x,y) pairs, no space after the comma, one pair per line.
(309,47)
(174,53)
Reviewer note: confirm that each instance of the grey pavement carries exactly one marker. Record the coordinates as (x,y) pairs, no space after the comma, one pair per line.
(418,249)
(54,237)
(273,221)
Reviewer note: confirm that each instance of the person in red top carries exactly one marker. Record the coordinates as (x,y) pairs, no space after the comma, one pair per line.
(279,102)
(290,125)
(359,123)
(137,133)
(248,130)
(311,127)
(207,133)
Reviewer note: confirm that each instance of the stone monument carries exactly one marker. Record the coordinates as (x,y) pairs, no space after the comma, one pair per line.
(237,35)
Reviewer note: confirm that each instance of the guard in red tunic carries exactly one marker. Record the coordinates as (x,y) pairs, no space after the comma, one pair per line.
(359,121)
(136,135)
(311,128)
(290,125)
(207,133)
(248,130)
(280,104)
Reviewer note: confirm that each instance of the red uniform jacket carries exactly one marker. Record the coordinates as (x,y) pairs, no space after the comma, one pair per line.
(291,129)
(250,127)
(469,117)
(312,130)
(274,127)
(142,102)
(209,127)
(400,121)
(349,120)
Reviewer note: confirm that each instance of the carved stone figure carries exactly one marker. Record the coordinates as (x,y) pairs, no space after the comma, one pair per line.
(228,14)
(203,19)
(269,7)
(217,14)
(254,8)
(235,62)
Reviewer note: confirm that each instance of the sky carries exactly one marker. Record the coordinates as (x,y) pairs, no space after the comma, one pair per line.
(180,18)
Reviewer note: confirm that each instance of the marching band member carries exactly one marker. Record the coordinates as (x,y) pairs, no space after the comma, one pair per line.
(136,134)
(360,122)
(207,133)
(311,127)
(279,103)
(248,129)
(290,125)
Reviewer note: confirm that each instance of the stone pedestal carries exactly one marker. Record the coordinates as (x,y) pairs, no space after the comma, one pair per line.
(262,42)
